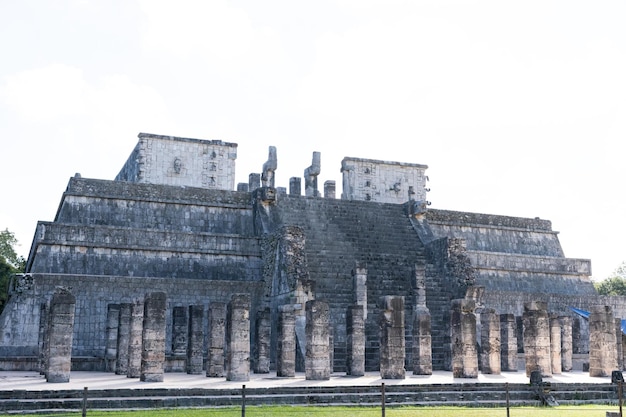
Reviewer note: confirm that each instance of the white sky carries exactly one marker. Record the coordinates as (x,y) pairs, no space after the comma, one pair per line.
(517,107)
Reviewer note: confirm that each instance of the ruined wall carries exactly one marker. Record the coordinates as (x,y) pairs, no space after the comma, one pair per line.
(382,181)
(170,160)
(95,293)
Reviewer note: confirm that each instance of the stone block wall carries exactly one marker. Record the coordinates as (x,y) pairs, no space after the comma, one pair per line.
(382,181)
(159,159)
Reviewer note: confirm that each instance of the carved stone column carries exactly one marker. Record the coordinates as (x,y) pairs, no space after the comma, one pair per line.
(566,343)
(238,338)
(123,339)
(463,339)
(60,336)
(286,346)
(153,353)
(110,350)
(135,342)
(216,340)
(195,345)
(317,360)
(490,342)
(602,350)
(508,342)
(355,350)
(392,341)
(262,348)
(537,338)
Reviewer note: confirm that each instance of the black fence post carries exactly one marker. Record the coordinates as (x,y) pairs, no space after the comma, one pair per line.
(508,411)
(243,401)
(382,395)
(85,402)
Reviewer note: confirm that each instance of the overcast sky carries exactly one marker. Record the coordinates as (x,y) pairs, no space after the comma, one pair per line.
(517,107)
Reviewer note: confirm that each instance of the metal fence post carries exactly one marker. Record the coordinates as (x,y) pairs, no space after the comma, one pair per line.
(382,395)
(243,401)
(85,402)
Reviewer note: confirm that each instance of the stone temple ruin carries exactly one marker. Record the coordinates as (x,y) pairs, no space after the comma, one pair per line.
(168,269)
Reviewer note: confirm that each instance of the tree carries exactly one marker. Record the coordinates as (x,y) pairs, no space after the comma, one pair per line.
(614,284)
(10,264)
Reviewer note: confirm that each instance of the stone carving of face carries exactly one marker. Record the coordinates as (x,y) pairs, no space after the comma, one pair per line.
(178,165)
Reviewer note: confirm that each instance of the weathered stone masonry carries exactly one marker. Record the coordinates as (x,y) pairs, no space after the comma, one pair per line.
(173,224)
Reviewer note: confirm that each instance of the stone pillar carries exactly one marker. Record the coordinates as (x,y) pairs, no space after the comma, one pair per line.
(537,338)
(463,339)
(555,344)
(263,341)
(295,186)
(60,336)
(508,342)
(355,347)
(392,342)
(216,340)
(180,327)
(123,339)
(286,343)
(269,167)
(602,350)
(329,189)
(135,343)
(566,343)
(110,350)
(317,359)
(359,286)
(490,357)
(618,344)
(153,340)
(331,346)
(254,181)
(43,338)
(422,343)
(238,338)
(310,176)
(195,345)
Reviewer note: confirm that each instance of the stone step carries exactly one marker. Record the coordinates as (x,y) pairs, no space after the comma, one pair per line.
(467,394)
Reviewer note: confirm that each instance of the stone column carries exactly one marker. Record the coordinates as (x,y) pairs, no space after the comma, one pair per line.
(566,343)
(195,346)
(555,344)
(310,176)
(317,359)
(254,181)
(238,338)
(463,339)
(60,336)
(508,342)
(490,358)
(135,342)
(537,338)
(153,340)
(286,343)
(43,338)
(110,350)
(331,346)
(180,327)
(123,339)
(392,342)
(359,286)
(329,189)
(263,339)
(216,340)
(618,344)
(355,346)
(602,350)
(295,186)
(422,343)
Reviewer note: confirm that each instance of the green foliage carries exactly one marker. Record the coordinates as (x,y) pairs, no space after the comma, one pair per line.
(10,263)
(615,284)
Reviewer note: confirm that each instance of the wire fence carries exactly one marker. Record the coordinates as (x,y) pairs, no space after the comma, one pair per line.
(259,408)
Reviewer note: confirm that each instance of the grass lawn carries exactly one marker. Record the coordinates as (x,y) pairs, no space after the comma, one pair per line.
(268,411)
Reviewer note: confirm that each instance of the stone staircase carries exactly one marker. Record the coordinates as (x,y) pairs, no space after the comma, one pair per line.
(466,394)
(340,233)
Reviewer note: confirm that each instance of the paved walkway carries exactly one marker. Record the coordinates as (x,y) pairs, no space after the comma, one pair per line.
(13,380)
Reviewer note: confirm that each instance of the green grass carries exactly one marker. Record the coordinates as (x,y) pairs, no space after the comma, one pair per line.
(295,411)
